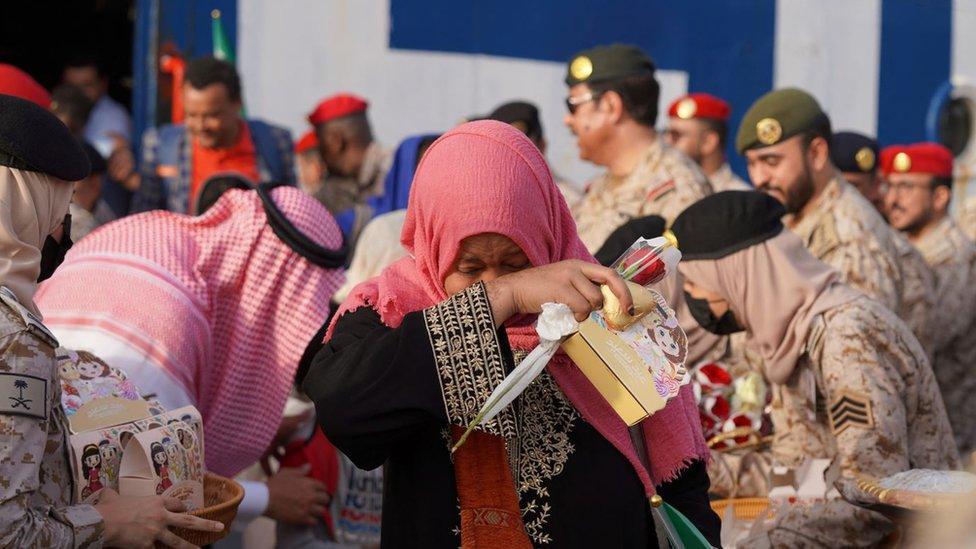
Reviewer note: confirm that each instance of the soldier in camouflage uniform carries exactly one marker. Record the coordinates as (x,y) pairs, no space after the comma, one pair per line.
(612,105)
(38,159)
(857,157)
(785,137)
(698,125)
(850,382)
(920,188)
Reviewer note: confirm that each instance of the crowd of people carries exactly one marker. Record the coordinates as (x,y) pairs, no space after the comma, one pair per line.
(338,310)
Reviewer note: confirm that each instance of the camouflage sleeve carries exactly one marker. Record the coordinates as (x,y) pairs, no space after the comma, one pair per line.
(24,446)
(918,300)
(866,270)
(956,303)
(864,394)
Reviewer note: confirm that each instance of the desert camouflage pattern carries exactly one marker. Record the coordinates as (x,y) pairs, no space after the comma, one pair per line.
(952,257)
(863,395)
(36,484)
(846,232)
(724,179)
(664,183)
(918,298)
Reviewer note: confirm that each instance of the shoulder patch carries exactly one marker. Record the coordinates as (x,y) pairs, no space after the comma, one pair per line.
(850,409)
(33,324)
(660,190)
(23,395)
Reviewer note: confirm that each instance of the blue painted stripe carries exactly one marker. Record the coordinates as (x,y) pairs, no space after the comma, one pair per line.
(726,46)
(916,57)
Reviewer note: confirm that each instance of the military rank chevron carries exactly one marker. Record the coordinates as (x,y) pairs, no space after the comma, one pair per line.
(850,409)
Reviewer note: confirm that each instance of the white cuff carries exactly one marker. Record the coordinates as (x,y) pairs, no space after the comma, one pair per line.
(255,501)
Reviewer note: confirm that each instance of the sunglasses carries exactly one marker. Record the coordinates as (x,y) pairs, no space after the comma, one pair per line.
(573,103)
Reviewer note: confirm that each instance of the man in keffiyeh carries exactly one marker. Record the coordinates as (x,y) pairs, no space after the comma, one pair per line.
(414,353)
(214,311)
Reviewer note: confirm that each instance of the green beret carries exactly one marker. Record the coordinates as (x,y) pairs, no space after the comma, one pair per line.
(604,63)
(777,116)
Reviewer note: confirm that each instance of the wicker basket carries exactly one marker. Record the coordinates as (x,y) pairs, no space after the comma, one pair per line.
(221,497)
(742,508)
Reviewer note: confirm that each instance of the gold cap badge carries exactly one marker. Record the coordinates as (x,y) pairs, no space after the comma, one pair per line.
(768,131)
(581,68)
(902,162)
(686,108)
(865,159)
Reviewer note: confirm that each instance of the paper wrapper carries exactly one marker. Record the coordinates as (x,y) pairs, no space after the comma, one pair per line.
(165,461)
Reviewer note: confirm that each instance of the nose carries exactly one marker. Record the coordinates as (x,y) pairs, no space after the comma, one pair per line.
(568,120)
(490,274)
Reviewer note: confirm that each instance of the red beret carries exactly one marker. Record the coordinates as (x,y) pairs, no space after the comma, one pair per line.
(18,83)
(308,142)
(699,105)
(917,158)
(337,106)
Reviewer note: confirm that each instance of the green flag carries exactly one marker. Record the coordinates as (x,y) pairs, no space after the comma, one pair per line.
(222,48)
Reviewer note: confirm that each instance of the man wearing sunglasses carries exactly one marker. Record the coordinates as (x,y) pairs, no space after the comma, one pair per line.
(919,180)
(613,106)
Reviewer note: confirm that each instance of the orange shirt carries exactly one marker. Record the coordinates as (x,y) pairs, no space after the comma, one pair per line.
(240,157)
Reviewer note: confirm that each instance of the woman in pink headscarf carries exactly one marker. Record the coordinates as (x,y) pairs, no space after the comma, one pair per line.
(415,352)
(214,311)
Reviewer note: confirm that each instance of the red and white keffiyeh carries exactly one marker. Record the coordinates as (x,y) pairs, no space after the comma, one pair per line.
(218,301)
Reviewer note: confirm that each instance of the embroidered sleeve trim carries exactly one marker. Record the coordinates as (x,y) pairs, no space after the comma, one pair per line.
(469,357)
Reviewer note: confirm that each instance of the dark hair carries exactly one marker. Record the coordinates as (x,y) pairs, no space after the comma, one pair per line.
(157,448)
(87,452)
(819,128)
(941,182)
(83,59)
(422,147)
(205,71)
(214,187)
(720,127)
(72,102)
(639,95)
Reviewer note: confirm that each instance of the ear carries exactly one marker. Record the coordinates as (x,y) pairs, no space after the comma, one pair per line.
(819,152)
(941,196)
(709,142)
(614,105)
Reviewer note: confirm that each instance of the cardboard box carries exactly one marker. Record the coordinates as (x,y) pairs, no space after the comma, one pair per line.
(637,369)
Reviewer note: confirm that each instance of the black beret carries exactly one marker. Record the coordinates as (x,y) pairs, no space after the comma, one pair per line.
(604,63)
(521,114)
(726,222)
(33,139)
(620,240)
(854,152)
(98,164)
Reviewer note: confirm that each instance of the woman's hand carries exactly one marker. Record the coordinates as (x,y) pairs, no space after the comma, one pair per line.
(574,283)
(144,521)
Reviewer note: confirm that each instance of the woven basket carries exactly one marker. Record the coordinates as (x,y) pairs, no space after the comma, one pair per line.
(221,498)
(742,508)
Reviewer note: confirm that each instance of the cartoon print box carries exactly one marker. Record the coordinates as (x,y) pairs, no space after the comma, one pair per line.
(636,369)
(165,461)
(97,455)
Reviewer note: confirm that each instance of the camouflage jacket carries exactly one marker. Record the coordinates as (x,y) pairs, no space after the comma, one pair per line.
(845,231)
(862,394)
(953,258)
(967,218)
(724,179)
(664,183)
(918,298)
(36,485)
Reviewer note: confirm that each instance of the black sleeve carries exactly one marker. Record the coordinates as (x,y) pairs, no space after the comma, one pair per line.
(375,386)
(689,494)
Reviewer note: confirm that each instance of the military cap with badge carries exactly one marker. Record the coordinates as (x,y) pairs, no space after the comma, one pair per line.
(778,116)
(604,64)
(854,152)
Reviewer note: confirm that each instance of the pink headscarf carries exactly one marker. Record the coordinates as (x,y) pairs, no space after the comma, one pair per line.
(218,301)
(487,177)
